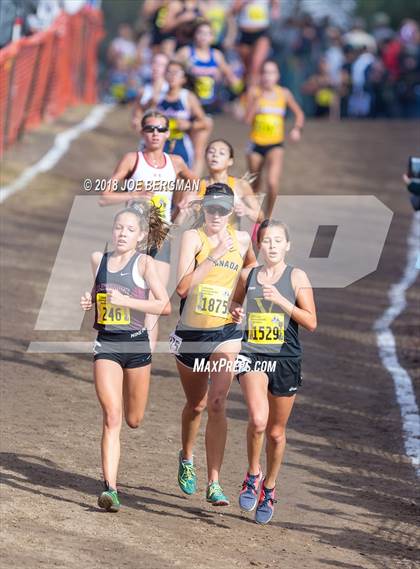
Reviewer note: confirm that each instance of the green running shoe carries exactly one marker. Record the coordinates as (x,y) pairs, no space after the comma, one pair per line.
(108,500)
(215,495)
(187,478)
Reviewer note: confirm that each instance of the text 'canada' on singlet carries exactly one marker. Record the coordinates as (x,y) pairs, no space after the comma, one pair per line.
(268,123)
(145,172)
(110,317)
(207,304)
(269,330)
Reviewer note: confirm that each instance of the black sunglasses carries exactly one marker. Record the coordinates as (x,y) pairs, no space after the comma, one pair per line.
(149,128)
(214,209)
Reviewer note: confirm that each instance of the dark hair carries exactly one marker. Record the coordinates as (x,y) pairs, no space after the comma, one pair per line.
(189,80)
(150,221)
(154,113)
(272,223)
(228,144)
(199,24)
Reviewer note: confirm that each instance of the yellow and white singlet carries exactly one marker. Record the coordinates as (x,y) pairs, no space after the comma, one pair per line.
(268,123)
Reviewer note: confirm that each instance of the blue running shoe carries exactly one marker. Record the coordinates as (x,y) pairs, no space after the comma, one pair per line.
(187,478)
(248,496)
(215,495)
(265,508)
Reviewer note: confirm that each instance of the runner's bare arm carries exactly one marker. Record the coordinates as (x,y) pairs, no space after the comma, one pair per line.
(200,119)
(190,245)
(151,6)
(253,208)
(303,312)
(95,261)
(182,198)
(122,171)
(251,105)
(249,258)
(240,290)
(226,70)
(175,16)
(138,112)
(296,110)
(183,55)
(188,274)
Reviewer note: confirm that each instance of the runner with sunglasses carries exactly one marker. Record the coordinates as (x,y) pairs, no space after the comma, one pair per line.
(153,165)
(279,299)
(185,114)
(206,341)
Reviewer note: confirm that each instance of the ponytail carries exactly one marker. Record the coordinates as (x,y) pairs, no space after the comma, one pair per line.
(150,222)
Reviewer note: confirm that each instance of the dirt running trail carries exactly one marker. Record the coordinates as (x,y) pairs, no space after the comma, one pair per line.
(346,494)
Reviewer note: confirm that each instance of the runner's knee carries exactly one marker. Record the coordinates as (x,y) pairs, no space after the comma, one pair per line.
(276,436)
(112,419)
(216,405)
(257,424)
(134,421)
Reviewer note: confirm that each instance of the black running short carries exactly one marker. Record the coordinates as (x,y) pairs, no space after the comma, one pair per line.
(191,344)
(249,38)
(284,374)
(263,150)
(128,349)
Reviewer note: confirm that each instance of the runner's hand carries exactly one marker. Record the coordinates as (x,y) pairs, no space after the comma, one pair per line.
(223,247)
(271,293)
(240,208)
(116,297)
(295,135)
(86,301)
(183,124)
(237,314)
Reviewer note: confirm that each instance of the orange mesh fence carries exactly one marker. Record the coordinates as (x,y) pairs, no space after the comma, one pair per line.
(41,75)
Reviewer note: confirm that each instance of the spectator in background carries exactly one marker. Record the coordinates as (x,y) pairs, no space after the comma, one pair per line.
(360,99)
(322,90)
(154,89)
(123,47)
(334,56)
(381,30)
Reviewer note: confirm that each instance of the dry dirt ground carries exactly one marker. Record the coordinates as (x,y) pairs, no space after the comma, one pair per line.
(347,494)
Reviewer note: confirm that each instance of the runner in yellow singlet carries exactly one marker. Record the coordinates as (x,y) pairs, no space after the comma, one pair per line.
(266,108)
(208,269)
